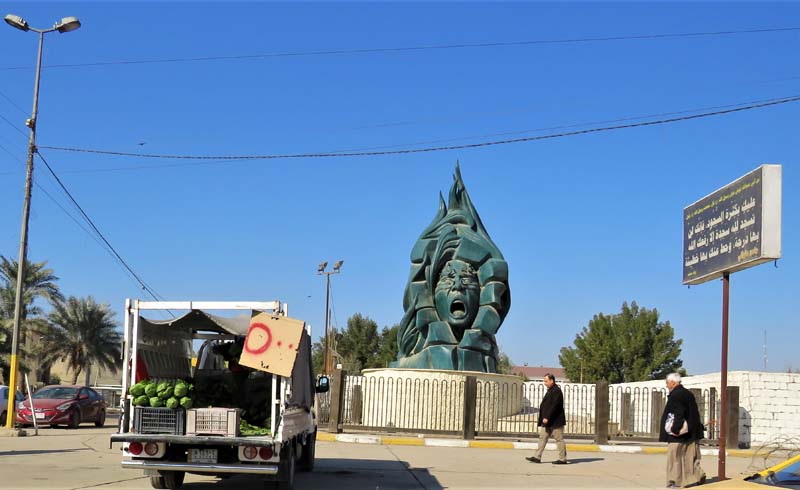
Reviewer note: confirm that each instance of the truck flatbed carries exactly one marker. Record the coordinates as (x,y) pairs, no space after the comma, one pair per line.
(194,440)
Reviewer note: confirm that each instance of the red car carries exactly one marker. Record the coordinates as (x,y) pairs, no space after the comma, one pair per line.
(60,404)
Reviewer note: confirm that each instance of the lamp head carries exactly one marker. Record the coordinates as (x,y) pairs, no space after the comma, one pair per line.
(67,24)
(322,267)
(338,265)
(16,22)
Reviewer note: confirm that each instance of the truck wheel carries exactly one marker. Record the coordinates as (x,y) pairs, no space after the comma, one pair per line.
(306,462)
(287,482)
(168,479)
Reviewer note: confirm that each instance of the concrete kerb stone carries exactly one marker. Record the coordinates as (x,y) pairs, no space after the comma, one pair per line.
(527,446)
(12,432)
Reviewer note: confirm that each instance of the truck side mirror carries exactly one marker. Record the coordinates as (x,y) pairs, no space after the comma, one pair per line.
(323,384)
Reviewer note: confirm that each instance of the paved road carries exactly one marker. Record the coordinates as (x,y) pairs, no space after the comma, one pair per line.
(81,459)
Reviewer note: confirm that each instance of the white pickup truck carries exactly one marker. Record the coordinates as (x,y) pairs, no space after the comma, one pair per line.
(168,443)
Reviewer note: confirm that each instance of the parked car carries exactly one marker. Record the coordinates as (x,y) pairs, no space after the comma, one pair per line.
(782,475)
(4,403)
(60,404)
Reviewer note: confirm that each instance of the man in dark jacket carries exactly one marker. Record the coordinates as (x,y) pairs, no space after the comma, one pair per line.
(551,421)
(682,429)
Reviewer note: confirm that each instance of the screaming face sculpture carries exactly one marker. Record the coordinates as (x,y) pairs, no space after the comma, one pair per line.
(457,294)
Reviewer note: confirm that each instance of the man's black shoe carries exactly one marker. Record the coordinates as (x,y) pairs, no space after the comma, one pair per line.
(534,459)
(558,461)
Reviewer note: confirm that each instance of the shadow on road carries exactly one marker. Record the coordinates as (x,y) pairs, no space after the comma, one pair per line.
(585,460)
(352,474)
(41,451)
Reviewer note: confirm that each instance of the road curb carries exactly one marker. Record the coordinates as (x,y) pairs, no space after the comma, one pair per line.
(528,446)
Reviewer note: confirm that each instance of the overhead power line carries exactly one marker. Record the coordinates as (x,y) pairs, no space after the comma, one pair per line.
(767,103)
(420,48)
(20,109)
(102,237)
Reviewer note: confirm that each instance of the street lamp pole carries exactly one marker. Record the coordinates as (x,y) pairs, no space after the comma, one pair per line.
(321,270)
(66,24)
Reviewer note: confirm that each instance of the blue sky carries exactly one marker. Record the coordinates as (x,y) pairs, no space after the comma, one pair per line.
(585,222)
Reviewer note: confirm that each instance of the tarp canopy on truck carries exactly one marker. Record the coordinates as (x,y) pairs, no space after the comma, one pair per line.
(201,321)
(177,333)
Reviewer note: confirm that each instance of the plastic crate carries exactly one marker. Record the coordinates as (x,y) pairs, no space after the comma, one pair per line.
(212,422)
(158,420)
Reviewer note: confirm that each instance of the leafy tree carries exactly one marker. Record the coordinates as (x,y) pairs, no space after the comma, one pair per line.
(504,363)
(81,332)
(632,345)
(359,343)
(358,347)
(387,350)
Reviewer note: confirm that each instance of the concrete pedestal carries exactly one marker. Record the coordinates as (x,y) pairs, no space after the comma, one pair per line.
(433,400)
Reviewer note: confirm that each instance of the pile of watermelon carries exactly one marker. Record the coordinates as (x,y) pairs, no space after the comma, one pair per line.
(170,393)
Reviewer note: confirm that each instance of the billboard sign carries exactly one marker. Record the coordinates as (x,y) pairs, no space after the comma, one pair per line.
(733,228)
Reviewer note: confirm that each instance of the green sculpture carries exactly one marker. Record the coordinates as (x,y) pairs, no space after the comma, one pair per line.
(457,293)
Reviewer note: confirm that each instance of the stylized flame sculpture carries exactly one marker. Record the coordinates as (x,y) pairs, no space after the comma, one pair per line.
(457,294)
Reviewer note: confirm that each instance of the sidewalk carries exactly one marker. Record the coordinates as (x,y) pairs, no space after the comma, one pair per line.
(620,447)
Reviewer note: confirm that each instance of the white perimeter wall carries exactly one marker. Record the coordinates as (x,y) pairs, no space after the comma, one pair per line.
(769,404)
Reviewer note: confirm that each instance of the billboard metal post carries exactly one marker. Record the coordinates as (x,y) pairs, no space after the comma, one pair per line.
(723,412)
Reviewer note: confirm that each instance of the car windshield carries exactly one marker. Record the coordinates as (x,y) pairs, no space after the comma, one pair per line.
(57,392)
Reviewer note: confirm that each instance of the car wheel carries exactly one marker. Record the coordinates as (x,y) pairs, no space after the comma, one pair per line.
(74,419)
(53,426)
(101,419)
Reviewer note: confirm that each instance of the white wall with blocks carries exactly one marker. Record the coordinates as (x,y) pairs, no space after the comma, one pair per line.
(769,404)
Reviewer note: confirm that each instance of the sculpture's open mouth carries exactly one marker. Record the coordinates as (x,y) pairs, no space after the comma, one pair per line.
(458,309)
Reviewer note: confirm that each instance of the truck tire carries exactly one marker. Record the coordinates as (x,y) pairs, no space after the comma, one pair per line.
(287,466)
(306,462)
(168,479)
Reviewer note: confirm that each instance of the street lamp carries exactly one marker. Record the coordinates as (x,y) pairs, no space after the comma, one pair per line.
(321,270)
(66,24)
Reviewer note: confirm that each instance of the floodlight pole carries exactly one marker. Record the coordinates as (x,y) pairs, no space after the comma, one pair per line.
(23,242)
(723,396)
(26,207)
(327,368)
(327,320)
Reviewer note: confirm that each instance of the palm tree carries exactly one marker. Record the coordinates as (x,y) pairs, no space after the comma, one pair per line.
(81,332)
(39,282)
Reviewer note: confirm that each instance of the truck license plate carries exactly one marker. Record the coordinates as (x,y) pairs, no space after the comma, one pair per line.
(203,456)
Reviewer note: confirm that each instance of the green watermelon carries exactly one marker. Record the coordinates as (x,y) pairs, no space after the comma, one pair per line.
(186,402)
(181,389)
(137,389)
(151,390)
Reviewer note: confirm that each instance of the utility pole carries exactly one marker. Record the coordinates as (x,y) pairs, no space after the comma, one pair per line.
(66,24)
(321,270)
